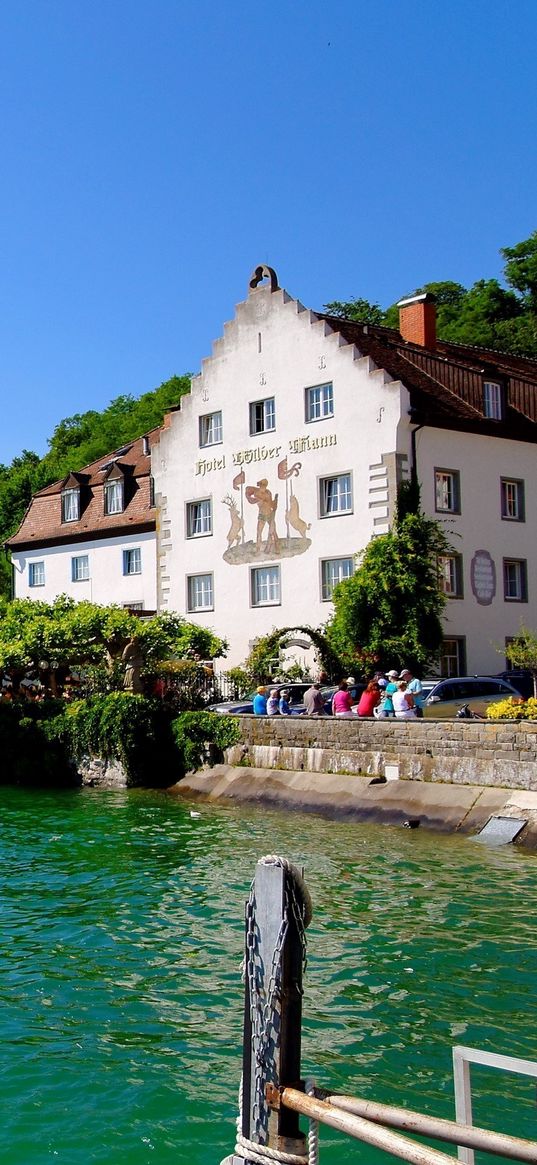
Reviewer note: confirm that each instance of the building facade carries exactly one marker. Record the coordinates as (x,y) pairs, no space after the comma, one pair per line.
(92,535)
(284,461)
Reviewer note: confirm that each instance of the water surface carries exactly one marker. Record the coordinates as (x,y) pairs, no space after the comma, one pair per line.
(120,1008)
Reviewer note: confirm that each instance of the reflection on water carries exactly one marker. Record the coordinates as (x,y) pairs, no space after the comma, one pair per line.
(120,991)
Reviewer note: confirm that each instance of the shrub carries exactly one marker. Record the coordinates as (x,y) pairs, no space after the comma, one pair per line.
(121,726)
(513,709)
(203,735)
(34,745)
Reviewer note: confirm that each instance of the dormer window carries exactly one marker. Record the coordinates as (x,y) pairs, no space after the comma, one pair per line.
(114,496)
(70,505)
(493,400)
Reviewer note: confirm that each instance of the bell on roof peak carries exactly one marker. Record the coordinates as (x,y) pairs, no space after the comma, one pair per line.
(259,277)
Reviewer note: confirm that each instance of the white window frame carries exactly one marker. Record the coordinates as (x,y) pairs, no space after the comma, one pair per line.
(515,580)
(71,505)
(335,495)
(211,429)
(80,571)
(132,560)
(493,400)
(36,573)
(199,518)
(334,571)
(453,656)
(319,402)
(512,500)
(200,592)
(265,586)
(450,575)
(114,496)
(447,491)
(262,416)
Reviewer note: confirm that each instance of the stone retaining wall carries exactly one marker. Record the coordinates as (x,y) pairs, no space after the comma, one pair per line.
(492,753)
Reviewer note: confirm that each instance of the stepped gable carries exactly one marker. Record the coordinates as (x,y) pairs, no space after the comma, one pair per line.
(446,383)
(42,524)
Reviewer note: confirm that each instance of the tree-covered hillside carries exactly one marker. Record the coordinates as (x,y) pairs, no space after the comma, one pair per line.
(486,314)
(78,441)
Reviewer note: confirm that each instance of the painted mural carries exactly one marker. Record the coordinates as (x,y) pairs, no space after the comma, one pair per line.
(272,522)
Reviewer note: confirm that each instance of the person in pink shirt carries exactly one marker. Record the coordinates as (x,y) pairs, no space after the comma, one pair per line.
(342,701)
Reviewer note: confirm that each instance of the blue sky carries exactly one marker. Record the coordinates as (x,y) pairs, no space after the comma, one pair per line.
(153,153)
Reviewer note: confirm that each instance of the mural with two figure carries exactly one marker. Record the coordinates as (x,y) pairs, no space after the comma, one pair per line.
(275,526)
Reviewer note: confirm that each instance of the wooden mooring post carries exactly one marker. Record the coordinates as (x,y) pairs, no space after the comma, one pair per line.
(277,912)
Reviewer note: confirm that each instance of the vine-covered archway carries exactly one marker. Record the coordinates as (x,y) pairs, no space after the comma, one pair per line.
(260,662)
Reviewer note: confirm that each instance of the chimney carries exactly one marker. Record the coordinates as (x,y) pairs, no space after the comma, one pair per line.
(417,320)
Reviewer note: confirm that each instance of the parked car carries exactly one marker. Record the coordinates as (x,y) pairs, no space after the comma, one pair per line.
(445,697)
(245,707)
(520,678)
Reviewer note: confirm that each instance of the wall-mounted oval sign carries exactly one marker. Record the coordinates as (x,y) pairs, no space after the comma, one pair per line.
(483,577)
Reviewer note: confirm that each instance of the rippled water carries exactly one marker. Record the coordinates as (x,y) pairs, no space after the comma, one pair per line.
(120,1009)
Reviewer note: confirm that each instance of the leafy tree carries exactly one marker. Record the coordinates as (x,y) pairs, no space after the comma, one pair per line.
(390,610)
(521,270)
(522,652)
(360,310)
(52,638)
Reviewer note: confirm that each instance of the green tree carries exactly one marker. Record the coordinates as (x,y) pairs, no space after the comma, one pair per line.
(521,270)
(360,310)
(522,652)
(389,612)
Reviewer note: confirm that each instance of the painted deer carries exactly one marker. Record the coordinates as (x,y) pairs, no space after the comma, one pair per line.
(292,516)
(237,524)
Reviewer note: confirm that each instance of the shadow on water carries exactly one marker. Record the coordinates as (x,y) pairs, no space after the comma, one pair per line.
(120,980)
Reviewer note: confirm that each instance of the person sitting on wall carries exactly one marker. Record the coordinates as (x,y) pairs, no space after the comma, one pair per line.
(413,685)
(260,702)
(284,706)
(342,702)
(391,687)
(403,702)
(314,701)
(369,699)
(272,703)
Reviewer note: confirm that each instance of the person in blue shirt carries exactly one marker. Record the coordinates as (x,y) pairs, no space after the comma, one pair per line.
(413,685)
(260,702)
(284,706)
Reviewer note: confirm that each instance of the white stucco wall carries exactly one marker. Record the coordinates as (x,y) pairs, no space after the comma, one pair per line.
(482,462)
(274,348)
(106,584)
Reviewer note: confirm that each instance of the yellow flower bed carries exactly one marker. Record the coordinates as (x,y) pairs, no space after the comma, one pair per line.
(513,709)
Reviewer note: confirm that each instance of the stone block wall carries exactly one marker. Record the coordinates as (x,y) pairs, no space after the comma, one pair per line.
(489,753)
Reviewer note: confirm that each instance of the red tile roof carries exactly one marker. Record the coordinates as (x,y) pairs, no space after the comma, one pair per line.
(42,524)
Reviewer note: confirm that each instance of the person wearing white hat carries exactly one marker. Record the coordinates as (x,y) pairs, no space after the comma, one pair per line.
(386,708)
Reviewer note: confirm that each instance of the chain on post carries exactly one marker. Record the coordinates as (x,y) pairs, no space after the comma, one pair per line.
(265,1003)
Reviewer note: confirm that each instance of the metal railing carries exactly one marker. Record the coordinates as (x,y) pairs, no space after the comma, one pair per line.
(272,1095)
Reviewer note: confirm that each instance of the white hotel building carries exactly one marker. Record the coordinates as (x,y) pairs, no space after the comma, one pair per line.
(284,461)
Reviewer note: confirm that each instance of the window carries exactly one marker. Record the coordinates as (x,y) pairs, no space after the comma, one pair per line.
(447,483)
(200,592)
(453,657)
(211,429)
(319,402)
(333,571)
(336,495)
(450,575)
(133,606)
(262,416)
(80,568)
(515,580)
(199,518)
(36,574)
(70,505)
(113,496)
(132,561)
(265,584)
(493,401)
(512,500)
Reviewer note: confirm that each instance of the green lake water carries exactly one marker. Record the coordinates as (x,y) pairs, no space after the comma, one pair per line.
(121,999)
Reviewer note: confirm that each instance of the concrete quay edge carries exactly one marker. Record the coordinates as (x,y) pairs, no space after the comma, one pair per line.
(447,808)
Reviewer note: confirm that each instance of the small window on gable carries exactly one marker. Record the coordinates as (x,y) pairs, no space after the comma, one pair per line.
(71,504)
(493,400)
(114,497)
(319,402)
(210,429)
(262,416)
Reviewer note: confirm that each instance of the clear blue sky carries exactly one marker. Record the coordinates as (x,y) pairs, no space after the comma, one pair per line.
(152,153)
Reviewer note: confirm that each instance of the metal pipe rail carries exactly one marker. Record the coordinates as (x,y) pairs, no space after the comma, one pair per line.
(349,1116)
(431,1126)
